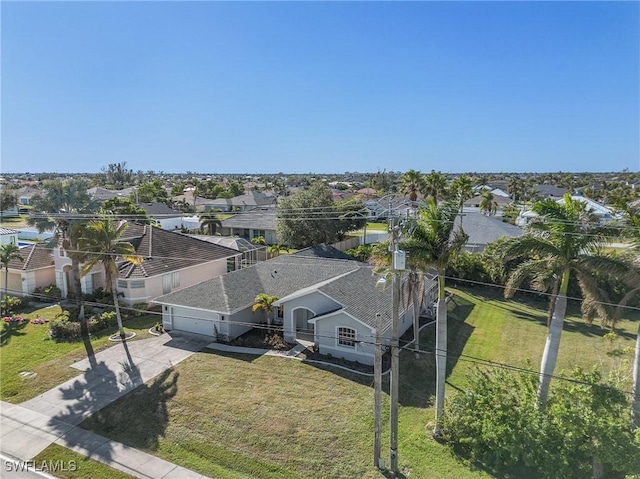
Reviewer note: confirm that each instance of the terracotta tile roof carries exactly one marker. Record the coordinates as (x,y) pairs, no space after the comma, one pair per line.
(35,257)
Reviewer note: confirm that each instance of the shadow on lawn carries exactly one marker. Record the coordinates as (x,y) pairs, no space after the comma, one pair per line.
(140,423)
(9,330)
(418,375)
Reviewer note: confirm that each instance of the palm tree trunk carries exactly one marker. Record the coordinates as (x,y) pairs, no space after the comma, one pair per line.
(635,408)
(441,352)
(112,279)
(6,281)
(552,345)
(77,285)
(417,293)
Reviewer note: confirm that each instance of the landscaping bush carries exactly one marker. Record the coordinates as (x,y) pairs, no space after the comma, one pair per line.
(64,328)
(9,304)
(48,293)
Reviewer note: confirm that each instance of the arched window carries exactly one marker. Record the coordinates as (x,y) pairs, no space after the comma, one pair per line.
(347,337)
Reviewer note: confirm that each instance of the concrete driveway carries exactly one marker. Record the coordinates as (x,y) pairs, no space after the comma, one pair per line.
(30,427)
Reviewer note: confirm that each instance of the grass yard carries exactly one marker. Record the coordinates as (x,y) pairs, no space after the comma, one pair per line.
(27,348)
(84,467)
(234,416)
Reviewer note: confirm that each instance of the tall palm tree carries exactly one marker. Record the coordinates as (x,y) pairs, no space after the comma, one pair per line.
(412,183)
(210,223)
(514,187)
(7,253)
(265,302)
(62,208)
(487,203)
(102,243)
(436,185)
(565,238)
(432,241)
(633,220)
(462,188)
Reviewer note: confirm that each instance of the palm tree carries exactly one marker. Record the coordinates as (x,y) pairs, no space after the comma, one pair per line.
(563,239)
(633,220)
(487,204)
(7,253)
(412,183)
(432,242)
(102,243)
(514,187)
(436,185)
(60,209)
(462,188)
(265,302)
(210,223)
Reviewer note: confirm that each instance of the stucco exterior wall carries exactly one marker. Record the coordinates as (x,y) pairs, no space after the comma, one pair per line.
(316,302)
(326,337)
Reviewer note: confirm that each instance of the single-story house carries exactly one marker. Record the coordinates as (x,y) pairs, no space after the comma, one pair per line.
(166,217)
(8,236)
(484,229)
(324,297)
(549,191)
(251,224)
(171,261)
(102,194)
(246,202)
(35,270)
(500,200)
(603,213)
(25,194)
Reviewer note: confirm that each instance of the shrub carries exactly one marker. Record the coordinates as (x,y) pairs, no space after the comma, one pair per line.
(9,304)
(48,293)
(64,328)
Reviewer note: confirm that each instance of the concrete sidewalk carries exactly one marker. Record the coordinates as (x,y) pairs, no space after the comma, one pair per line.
(29,428)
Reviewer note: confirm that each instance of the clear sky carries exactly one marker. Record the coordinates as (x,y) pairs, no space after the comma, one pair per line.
(234,87)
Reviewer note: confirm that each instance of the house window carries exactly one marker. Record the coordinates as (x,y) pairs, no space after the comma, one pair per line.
(280,312)
(347,337)
(257,233)
(136,283)
(122,284)
(175,280)
(231,264)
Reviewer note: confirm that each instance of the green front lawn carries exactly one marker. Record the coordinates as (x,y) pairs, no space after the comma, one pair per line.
(71,465)
(27,348)
(234,416)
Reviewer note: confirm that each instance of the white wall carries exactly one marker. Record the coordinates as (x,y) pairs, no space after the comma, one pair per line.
(326,336)
(314,301)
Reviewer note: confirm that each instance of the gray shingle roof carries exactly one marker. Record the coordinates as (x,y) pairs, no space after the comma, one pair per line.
(165,251)
(483,229)
(254,219)
(279,276)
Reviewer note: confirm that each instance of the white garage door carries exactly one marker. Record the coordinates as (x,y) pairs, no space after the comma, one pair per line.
(193,325)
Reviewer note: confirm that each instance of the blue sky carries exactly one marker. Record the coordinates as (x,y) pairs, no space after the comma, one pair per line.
(295,87)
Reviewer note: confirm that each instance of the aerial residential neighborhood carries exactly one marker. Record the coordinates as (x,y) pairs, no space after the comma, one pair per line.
(320,240)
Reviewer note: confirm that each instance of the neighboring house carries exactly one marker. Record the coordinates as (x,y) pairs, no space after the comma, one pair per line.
(171,261)
(103,194)
(501,201)
(167,218)
(200,204)
(8,236)
(251,253)
(246,202)
(251,224)
(25,194)
(603,213)
(484,229)
(548,191)
(324,298)
(399,206)
(37,270)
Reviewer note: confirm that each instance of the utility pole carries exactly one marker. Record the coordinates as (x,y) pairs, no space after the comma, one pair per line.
(377,394)
(398,264)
